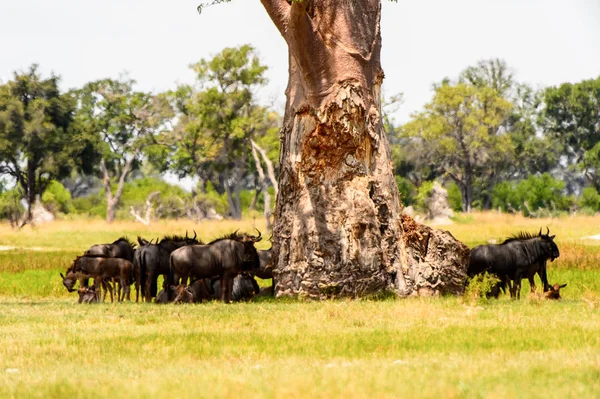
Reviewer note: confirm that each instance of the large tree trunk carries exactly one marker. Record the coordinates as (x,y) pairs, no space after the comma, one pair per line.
(338,227)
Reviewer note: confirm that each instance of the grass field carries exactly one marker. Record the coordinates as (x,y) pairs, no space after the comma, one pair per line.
(51,347)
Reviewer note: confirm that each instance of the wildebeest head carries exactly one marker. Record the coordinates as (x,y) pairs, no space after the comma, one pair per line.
(71,277)
(69,280)
(183,294)
(251,258)
(554,292)
(548,245)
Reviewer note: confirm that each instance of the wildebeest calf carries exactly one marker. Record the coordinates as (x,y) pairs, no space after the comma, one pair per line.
(554,292)
(102,269)
(88,294)
(194,293)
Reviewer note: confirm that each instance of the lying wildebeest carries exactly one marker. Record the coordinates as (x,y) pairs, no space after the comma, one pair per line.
(554,292)
(121,248)
(519,256)
(152,260)
(101,269)
(224,257)
(244,287)
(88,294)
(193,293)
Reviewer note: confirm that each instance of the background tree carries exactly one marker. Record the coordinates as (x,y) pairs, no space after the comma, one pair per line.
(571,116)
(217,119)
(122,123)
(37,141)
(458,133)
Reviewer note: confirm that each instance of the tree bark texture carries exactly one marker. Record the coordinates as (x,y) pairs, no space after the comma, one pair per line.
(338,227)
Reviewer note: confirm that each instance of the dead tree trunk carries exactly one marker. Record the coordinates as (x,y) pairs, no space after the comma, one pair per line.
(265,186)
(338,228)
(113,200)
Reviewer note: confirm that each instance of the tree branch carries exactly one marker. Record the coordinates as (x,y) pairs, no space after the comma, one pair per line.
(279,11)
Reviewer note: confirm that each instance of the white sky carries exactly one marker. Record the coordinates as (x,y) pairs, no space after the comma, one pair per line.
(547,42)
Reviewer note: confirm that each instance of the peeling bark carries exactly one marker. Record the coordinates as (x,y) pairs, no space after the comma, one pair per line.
(265,187)
(338,226)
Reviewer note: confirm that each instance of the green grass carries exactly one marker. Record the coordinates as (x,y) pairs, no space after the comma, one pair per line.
(52,347)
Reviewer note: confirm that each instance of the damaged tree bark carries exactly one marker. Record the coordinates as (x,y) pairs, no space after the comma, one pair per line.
(338,226)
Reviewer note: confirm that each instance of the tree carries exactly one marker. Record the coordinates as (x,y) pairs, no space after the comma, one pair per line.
(571,117)
(218,119)
(37,141)
(338,228)
(458,131)
(122,123)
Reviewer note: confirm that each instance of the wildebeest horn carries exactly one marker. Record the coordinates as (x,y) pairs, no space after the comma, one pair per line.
(540,233)
(548,232)
(62,276)
(195,235)
(186,233)
(257,239)
(235,233)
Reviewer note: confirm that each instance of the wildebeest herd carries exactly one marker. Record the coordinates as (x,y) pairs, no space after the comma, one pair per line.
(226,268)
(520,256)
(192,271)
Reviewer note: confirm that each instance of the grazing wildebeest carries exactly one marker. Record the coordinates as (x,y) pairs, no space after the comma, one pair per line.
(88,294)
(224,257)
(121,248)
(162,296)
(72,277)
(519,256)
(101,269)
(152,260)
(554,292)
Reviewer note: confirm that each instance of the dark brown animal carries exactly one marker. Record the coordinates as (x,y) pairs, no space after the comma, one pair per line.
(152,260)
(194,293)
(102,269)
(71,278)
(162,296)
(225,257)
(121,248)
(88,294)
(554,292)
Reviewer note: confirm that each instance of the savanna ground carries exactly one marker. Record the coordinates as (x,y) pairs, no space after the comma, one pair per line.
(50,346)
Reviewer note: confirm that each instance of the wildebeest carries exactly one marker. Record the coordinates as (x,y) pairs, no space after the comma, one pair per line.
(519,256)
(265,271)
(121,248)
(193,293)
(554,292)
(245,287)
(101,269)
(88,294)
(71,277)
(152,260)
(224,257)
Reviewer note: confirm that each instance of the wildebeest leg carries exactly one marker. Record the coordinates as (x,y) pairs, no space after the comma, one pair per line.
(149,278)
(229,288)
(543,275)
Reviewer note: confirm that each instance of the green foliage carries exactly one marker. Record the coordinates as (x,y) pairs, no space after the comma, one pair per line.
(454,197)
(10,205)
(531,194)
(37,140)
(57,198)
(570,117)
(590,199)
(480,287)
(407,190)
(423,195)
(218,118)
(458,132)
